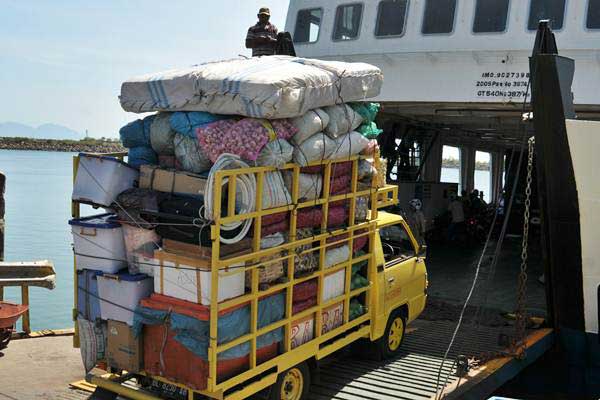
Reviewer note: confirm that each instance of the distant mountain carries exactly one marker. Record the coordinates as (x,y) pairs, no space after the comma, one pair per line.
(45,131)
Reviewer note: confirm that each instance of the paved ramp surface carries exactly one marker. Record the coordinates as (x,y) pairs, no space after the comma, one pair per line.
(413,374)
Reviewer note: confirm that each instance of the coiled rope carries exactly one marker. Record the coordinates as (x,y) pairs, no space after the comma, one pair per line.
(245,195)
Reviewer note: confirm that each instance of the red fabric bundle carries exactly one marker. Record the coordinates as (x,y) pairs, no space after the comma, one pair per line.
(337,169)
(274,218)
(282,226)
(304,291)
(303,305)
(340,185)
(312,217)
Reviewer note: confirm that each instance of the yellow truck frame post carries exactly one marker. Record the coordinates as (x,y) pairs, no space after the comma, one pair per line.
(371,324)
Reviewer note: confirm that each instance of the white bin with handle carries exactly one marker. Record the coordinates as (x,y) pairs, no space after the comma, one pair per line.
(98,243)
(100,179)
(120,294)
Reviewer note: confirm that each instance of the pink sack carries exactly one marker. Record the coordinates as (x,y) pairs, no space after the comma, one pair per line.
(245,138)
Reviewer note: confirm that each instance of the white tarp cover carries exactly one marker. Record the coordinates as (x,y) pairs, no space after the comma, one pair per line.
(259,87)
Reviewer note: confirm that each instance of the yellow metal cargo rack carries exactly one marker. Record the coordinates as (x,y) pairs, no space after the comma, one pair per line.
(323,343)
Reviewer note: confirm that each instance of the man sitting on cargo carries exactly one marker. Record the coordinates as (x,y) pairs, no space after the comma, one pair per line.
(262,37)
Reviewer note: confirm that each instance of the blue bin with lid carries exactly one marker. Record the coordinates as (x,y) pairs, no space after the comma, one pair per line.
(88,302)
(120,294)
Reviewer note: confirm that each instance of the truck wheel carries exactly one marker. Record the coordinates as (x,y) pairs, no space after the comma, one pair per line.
(292,384)
(390,342)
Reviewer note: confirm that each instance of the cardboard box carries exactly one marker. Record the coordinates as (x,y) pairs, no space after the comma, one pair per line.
(124,350)
(171,181)
(193,250)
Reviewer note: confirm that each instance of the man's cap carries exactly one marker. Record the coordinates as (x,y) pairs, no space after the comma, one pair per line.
(264,10)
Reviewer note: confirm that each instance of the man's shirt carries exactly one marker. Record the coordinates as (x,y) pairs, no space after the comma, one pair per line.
(456,209)
(258,31)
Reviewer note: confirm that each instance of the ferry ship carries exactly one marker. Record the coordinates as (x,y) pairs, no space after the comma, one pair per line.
(457,73)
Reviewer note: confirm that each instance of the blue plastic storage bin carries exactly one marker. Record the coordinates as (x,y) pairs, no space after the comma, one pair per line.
(88,302)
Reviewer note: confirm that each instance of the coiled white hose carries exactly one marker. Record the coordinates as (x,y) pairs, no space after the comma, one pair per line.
(245,195)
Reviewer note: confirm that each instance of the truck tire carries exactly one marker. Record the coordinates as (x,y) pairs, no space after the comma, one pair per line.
(292,384)
(389,344)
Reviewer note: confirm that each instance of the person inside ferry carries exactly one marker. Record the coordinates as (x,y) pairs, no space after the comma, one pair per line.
(476,202)
(457,213)
(416,220)
(262,37)
(466,201)
(481,200)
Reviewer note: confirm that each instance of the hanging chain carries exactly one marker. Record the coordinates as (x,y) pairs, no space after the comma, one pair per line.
(518,344)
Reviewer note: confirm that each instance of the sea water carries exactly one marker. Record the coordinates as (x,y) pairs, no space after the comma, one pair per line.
(38,208)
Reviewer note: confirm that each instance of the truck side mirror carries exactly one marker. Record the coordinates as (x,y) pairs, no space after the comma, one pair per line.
(422,251)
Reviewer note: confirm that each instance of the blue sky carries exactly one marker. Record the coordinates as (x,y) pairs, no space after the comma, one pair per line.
(63,61)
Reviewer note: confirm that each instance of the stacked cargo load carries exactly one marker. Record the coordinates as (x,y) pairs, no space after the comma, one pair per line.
(240,228)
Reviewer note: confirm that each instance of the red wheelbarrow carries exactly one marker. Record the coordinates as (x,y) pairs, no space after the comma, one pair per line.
(9,314)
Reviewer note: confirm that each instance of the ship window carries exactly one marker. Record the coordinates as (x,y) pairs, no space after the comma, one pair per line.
(308,24)
(391,16)
(554,10)
(490,16)
(347,21)
(439,16)
(593,14)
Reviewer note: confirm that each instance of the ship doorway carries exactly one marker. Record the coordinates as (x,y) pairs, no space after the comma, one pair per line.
(475,166)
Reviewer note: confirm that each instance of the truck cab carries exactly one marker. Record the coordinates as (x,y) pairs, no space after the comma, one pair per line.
(401,281)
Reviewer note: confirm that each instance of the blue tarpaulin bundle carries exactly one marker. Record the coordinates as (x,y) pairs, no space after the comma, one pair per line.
(193,333)
(136,133)
(141,155)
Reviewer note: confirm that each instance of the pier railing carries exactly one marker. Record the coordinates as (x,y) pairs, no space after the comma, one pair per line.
(22,274)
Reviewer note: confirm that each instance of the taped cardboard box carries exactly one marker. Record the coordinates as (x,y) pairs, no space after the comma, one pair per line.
(171,181)
(194,250)
(124,349)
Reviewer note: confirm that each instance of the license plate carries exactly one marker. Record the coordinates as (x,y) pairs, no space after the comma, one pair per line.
(168,391)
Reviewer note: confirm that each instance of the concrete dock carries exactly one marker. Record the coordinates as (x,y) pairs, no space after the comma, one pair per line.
(40,368)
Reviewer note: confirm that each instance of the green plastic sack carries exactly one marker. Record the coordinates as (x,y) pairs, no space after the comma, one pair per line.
(358,281)
(356,309)
(366,110)
(369,130)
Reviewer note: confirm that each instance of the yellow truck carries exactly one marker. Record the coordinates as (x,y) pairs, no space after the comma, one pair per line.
(393,265)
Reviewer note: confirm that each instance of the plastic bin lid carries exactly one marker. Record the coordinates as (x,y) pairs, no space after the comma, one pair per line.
(88,271)
(123,275)
(108,158)
(102,221)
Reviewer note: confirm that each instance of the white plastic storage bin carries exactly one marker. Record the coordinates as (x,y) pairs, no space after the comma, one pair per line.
(101,179)
(193,284)
(334,284)
(98,243)
(121,293)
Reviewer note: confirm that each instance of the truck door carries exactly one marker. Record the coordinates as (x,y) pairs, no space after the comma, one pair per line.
(404,273)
